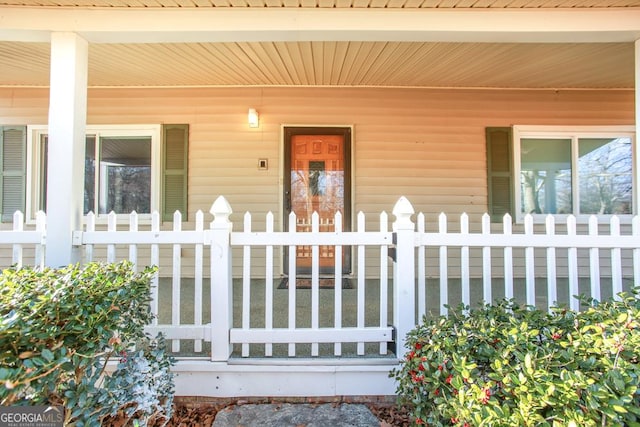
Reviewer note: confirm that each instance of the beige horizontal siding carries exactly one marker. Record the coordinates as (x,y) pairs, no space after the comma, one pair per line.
(425,144)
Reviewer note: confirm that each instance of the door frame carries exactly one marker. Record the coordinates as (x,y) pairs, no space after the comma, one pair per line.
(349,187)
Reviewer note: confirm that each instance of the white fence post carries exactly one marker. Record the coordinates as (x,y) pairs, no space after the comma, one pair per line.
(404,316)
(221,280)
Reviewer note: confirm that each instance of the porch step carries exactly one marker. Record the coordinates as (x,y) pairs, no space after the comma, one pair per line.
(296,415)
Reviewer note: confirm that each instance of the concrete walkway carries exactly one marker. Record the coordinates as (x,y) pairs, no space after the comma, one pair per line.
(296,415)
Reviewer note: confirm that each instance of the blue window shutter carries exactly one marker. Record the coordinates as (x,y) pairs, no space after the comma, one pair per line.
(499,173)
(175,160)
(13,163)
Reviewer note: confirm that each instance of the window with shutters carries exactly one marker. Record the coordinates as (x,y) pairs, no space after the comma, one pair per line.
(139,168)
(582,171)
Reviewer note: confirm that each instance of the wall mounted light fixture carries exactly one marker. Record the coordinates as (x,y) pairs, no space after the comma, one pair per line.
(253,118)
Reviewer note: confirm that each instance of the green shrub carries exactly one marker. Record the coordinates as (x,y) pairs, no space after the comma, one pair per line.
(507,365)
(144,380)
(58,329)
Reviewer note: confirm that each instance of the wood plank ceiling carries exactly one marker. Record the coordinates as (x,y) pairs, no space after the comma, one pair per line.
(344,63)
(404,4)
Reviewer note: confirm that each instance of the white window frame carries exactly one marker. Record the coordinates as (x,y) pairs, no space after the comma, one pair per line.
(573,133)
(35,172)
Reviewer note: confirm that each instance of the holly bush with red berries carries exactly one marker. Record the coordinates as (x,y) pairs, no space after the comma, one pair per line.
(512,365)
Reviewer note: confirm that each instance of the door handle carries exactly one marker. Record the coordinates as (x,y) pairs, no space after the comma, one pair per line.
(287,198)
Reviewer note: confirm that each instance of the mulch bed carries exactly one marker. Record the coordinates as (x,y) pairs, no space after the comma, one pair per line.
(202,414)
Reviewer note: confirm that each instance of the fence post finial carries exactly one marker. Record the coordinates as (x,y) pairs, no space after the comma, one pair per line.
(403,211)
(221,210)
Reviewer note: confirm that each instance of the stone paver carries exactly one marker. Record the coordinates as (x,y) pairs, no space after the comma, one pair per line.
(296,415)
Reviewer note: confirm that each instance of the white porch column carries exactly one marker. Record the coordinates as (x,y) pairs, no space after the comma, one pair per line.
(67,123)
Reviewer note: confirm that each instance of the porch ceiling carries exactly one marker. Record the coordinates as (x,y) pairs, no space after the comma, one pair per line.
(391,4)
(376,64)
(374,43)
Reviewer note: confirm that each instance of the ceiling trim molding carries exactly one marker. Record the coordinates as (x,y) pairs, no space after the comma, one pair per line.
(300,24)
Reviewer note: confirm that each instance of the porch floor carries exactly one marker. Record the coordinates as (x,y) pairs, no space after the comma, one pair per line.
(349,309)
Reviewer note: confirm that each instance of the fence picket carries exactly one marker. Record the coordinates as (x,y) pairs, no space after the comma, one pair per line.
(508,259)
(337,306)
(552,291)
(384,281)
(530,275)
(197,285)
(616,263)
(112,227)
(90,227)
(635,232)
(361,284)
(572,262)
(268,303)
(422,269)
(315,281)
(41,227)
(464,260)
(175,280)
(486,261)
(594,260)
(18,225)
(246,284)
(133,248)
(292,283)
(443,261)
(155,260)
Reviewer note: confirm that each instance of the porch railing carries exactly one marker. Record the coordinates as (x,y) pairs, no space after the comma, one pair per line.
(597,251)
(18,239)
(292,334)
(428,265)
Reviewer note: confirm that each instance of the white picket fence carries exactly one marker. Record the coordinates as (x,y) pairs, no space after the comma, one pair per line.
(549,241)
(315,239)
(18,238)
(411,246)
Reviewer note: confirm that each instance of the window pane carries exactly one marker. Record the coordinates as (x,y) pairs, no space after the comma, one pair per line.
(125,175)
(605,175)
(89,174)
(545,177)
